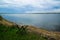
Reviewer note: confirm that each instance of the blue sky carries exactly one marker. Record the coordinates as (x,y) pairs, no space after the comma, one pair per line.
(29,6)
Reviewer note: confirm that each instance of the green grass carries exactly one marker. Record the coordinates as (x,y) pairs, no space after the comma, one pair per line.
(13,33)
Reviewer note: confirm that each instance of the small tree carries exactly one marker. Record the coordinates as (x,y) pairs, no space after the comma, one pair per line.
(22,30)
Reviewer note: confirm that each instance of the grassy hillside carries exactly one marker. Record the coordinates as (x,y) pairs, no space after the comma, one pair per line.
(12,31)
(45,33)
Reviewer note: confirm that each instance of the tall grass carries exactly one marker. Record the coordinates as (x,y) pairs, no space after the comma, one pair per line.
(13,33)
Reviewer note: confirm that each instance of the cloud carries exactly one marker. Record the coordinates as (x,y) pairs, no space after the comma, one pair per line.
(31,6)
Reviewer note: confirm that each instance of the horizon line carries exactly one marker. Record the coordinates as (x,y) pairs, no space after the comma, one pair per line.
(29,13)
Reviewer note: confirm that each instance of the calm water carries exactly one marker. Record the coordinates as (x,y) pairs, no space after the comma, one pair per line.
(47,21)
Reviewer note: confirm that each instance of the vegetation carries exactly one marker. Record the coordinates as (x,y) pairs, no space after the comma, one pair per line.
(0,18)
(14,33)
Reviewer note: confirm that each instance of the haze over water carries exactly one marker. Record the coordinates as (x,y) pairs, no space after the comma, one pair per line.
(46,21)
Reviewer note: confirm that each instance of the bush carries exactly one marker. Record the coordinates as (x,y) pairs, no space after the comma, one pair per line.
(0,18)
(22,34)
(22,30)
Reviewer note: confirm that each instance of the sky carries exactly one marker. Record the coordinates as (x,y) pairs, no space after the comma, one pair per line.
(29,6)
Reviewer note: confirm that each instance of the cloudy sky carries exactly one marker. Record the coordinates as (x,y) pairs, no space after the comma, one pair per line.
(29,6)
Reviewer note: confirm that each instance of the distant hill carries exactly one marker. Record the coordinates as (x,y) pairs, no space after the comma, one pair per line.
(42,32)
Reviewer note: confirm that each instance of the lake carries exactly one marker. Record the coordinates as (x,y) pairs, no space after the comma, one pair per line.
(46,21)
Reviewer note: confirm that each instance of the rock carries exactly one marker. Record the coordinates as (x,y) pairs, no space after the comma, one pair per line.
(51,39)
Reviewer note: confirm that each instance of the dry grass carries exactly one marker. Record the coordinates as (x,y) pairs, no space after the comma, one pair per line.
(52,34)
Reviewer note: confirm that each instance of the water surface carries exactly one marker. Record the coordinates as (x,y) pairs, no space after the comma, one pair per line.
(47,21)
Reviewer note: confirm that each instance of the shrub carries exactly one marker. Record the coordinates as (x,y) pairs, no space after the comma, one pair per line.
(0,18)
